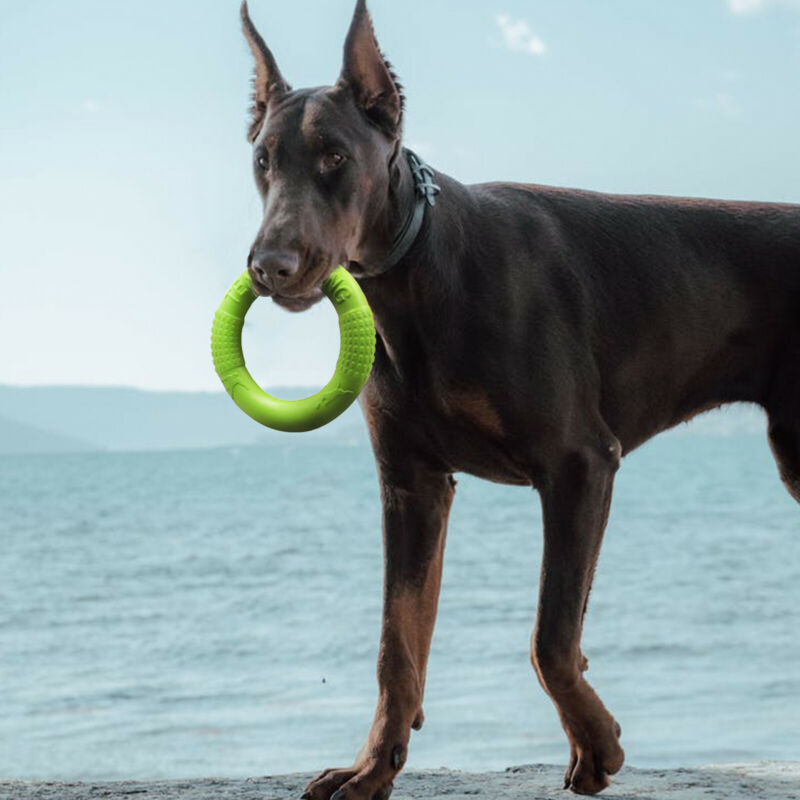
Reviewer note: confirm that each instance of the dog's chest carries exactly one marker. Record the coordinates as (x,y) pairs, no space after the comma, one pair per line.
(439,390)
(459,424)
(468,429)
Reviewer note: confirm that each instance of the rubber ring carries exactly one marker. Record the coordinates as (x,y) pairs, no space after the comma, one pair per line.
(356,354)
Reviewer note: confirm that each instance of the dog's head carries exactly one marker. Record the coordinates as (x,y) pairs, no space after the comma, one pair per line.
(323,160)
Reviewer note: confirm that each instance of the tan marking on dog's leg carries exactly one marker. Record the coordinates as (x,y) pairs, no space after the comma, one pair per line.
(415,522)
(576,504)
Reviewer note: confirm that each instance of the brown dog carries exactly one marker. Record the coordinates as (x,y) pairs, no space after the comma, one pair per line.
(527,335)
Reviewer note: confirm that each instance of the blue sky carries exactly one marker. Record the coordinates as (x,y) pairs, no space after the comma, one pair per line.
(126,200)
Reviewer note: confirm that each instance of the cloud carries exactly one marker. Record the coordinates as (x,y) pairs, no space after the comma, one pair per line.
(743,7)
(91,106)
(746,6)
(722,102)
(519,37)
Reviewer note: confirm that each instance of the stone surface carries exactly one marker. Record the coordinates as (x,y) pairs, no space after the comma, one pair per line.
(778,780)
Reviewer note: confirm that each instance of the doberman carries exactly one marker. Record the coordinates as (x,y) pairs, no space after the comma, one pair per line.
(526,334)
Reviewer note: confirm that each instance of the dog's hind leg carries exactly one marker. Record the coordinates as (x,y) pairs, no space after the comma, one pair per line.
(784,439)
(783,412)
(575,499)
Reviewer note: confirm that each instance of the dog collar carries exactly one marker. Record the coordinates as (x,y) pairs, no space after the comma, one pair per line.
(425,191)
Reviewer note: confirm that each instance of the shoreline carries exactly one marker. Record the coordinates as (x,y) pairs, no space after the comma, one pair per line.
(766,779)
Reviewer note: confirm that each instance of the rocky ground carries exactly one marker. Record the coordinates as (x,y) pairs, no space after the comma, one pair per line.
(778,780)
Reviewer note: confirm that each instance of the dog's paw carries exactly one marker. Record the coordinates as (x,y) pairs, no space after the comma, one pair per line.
(372,781)
(592,763)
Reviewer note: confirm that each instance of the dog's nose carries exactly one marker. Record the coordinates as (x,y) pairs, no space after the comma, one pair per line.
(274,269)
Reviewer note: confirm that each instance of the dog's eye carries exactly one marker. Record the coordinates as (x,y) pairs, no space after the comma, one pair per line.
(331,161)
(263,162)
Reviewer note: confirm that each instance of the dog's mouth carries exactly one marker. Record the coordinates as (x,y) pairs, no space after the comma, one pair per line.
(298,303)
(305,293)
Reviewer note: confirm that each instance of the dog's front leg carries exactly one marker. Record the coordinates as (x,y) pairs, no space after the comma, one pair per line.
(575,501)
(416,504)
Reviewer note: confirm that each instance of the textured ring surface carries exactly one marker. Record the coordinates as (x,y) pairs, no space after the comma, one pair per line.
(356,354)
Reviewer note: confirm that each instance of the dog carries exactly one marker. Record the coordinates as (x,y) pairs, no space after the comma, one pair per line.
(526,334)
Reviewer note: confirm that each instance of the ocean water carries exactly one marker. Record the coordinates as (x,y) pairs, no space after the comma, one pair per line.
(217,612)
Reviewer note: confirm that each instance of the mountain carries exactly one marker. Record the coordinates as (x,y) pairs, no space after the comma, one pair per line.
(58,418)
(17,437)
(130,419)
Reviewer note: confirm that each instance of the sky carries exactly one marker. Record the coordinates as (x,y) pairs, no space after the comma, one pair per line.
(127,204)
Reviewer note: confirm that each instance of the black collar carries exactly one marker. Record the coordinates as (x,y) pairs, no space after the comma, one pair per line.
(425,191)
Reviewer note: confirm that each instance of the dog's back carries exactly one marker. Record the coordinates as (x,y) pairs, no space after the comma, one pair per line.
(684,303)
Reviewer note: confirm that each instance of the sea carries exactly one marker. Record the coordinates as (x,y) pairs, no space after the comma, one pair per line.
(217,612)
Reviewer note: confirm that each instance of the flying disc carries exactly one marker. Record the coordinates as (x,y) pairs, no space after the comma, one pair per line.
(356,354)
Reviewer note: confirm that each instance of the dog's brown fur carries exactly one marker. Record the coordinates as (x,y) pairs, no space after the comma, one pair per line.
(531,336)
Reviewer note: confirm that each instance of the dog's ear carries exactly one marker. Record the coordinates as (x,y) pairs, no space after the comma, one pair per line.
(267,81)
(370,76)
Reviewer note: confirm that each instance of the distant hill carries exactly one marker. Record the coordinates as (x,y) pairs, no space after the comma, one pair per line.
(129,419)
(17,437)
(58,418)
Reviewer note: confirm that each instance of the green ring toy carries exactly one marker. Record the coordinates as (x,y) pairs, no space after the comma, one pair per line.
(356,354)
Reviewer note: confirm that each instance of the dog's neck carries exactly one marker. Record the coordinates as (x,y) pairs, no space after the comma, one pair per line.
(411,192)
(409,298)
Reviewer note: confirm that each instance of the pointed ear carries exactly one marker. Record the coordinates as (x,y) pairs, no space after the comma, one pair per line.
(267,81)
(369,75)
